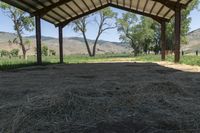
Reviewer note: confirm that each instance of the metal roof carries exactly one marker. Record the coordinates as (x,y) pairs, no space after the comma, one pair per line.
(61,12)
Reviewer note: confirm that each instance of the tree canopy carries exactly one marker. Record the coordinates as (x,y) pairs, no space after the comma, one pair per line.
(22,22)
(143,33)
(103,20)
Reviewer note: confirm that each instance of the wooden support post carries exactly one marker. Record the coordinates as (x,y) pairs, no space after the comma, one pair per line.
(163,40)
(38,39)
(177,37)
(61,43)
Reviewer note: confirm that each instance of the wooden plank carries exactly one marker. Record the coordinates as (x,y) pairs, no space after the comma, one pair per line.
(157,18)
(63,24)
(170,4)
(45,10)
(153,7)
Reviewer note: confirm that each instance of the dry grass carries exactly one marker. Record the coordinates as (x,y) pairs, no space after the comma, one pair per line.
(121,98)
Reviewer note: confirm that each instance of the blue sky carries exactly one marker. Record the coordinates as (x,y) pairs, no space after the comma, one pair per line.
(111,35)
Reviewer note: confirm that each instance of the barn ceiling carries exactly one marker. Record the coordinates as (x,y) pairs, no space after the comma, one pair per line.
(61,12)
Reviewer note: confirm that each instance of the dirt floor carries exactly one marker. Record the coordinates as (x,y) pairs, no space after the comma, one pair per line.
(101,98)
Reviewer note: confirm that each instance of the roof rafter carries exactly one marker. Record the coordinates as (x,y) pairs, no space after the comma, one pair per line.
(45,10)
(61,12)
(157,18)
(170,4)
(86,5)
(26,10)
(82,15)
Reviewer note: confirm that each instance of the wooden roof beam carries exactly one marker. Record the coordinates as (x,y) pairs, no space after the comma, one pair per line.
(45,10)
(26,10)
(156,18)
(170,4)
(63,24)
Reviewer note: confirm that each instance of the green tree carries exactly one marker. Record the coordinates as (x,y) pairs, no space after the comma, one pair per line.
(151,33)
(144,33)
(130,31)
(139,32)
(22,22)
(103,20)
(185,22)
(45,50)
(5,53)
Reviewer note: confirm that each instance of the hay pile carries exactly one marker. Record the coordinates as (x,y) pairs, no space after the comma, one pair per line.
(100,98)
(156,107)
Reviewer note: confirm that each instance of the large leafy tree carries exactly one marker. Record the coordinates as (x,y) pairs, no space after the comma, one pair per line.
(185,23)
(144,33)
(151,34)
(22,22)
(140,32)
(129,31)
(104,21)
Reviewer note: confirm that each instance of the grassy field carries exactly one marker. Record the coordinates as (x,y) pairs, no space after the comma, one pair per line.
(6,63)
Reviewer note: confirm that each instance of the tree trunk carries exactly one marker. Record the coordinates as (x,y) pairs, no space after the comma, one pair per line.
(136,51)
(21,40)
(95,45)
(22,45)
(87,45)
(134,47)
(24,52)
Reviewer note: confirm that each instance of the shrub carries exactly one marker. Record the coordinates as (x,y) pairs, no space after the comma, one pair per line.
(14,52)
(45,50)
(4,53)
(52,52)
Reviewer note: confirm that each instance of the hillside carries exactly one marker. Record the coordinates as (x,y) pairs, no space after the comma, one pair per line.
(194,42)
(73,45)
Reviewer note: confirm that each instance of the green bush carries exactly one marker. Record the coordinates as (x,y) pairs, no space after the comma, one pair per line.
(14,52)
(4,53)
(52,52)
(45,50)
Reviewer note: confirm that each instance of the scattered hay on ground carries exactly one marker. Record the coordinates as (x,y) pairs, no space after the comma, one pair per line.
(106,105)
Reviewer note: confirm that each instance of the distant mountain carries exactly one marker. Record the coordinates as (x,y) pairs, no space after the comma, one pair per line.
(194,42)
(5,37)
(100,42)
(72,45)
(44,38)
(194,35)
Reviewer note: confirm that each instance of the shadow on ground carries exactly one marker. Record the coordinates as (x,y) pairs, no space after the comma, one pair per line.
(99,98)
